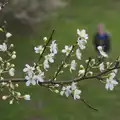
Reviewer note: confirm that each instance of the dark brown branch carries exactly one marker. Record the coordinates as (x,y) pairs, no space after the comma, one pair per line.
(61,82)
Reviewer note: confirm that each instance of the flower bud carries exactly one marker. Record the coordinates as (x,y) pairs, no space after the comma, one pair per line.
(13,56)
(86,61)
(90,73)
(45,39)
(8,35)
(14,52)
(3,83)
(16,85)
(18,94)
(8,64)
(93,61)
(26,97)
(12,45)
(2,78)
(11,101)
(57,85)
(56,91)
(0,58)
(81,67)
(12,65)
(4,97)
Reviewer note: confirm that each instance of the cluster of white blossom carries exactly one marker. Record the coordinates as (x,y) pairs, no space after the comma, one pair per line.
(71,90)
(81,45)
(111,82)
(35,74)
(6,66)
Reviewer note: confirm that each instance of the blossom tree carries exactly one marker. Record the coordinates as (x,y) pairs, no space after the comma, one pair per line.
(34,74)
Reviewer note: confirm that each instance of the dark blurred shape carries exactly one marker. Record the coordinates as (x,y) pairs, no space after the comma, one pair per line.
(101,38)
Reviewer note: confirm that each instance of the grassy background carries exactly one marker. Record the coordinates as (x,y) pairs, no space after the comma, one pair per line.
(46,105)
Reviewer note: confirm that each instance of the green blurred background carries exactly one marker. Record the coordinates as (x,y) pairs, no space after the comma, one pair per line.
(44,104)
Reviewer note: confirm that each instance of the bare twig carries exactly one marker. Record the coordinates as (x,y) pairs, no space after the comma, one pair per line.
(63,62)
(88,105)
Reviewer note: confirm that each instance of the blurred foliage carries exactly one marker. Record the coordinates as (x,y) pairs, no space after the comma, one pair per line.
(31,12)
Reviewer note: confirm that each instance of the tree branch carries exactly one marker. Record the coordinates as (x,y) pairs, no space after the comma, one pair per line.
(51,36)
(16,80)
(88,105)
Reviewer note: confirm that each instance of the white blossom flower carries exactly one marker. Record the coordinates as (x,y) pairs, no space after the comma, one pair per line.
(112,75)
(12,71)
(81,44)
(81,72)
(63,91)
(28,69)
(102,67)
(26,97)
(34,79)
(66,90)
(67,50)
(77,94)
(73,65)
(46,64)
(115,71)
(71,90)
(3,47)
(73,86)
(30,80)
(53,47)
(38,49)
(49,57)
(78,54)
(111,82)
(8,35)
(38,78)
(82,34)
(102,52)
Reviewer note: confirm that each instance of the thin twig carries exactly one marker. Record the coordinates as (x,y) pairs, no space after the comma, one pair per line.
(87,66)
(88,105)
(40,57)
(63,62)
